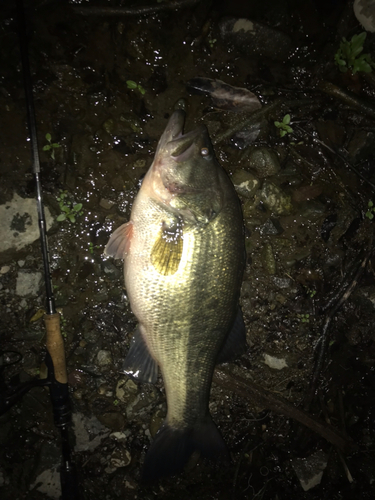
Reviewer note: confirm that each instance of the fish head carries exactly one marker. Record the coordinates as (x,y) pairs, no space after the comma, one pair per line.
(185,174)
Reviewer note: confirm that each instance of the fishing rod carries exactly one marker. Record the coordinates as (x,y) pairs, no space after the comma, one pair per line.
(57,379)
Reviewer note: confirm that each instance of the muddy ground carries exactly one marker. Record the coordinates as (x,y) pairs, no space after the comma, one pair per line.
(308,292)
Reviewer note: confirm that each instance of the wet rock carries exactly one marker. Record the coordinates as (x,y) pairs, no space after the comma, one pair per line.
(156,421)
(310,470)
(312,210)
(110,269)
(126,389)
(255,39)
(275,363)
(275,199)
(304,193)
(48,476)
(113,420)
(244,138)
(19,223)
(106,204)
(251,212)
(120,458)
(345,217)
(271,227)
(246,184)
(48,482)
(104,358)
(282,282)
(264,161)
(121,436)
(89,432)
(28,284)
(364,11)
(105,390)
(140,402)
(268,259)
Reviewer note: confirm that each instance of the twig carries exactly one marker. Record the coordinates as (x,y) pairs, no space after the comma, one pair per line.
(134,11)
(347,98)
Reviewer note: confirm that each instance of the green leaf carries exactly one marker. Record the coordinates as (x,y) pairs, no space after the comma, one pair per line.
(141,90)
(369,215)
(278,124)
(71,218)
(370,204)
(288,129)
(131,84)
(52,154)
(286,119)
(48,137)
(77,207)
(47,147)
(357,42)
(61,217)
(55,145)
(282,133)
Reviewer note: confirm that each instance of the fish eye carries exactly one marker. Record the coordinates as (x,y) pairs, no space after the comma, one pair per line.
(205,152)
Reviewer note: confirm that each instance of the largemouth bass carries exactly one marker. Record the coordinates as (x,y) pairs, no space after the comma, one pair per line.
(184,256)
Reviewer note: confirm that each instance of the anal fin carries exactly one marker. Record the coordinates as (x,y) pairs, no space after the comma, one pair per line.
(235,343)
(139,364)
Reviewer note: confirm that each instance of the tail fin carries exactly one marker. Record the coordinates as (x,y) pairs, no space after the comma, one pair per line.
(173,447)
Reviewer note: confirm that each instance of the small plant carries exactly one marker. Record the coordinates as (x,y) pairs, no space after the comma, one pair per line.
(371,210)
(310,292)
(348,55)
(116,402)
(284,126)
(69,211)
(211,41)
(304,318)
(51,146)
(134,85)
(92,247)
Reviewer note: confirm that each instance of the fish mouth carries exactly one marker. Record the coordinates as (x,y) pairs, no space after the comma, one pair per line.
(180,146)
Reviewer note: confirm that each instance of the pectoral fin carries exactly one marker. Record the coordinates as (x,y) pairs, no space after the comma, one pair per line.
(119,243)
(167,250)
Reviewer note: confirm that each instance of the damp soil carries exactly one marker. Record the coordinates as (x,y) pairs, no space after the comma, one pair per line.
(308,293)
